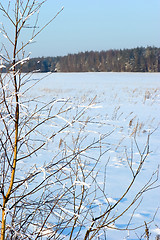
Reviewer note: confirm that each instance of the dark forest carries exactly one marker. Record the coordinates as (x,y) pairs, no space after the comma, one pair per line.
(138,59)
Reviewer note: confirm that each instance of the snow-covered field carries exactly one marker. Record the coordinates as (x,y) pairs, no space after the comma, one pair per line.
(118,111)
(124,102)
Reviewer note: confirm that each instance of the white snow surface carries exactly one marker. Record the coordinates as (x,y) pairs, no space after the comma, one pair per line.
(122,101)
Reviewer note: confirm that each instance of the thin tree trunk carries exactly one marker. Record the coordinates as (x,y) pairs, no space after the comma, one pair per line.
(6,197)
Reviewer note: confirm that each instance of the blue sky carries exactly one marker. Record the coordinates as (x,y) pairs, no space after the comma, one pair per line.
(86,25)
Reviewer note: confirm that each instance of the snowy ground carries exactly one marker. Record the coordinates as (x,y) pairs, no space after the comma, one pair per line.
(123,100)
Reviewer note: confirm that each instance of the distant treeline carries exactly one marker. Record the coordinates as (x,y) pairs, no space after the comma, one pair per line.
(139,59)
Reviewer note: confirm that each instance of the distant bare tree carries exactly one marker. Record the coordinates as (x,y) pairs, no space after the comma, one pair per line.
(52,198)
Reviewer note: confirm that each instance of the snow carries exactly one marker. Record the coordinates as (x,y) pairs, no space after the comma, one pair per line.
(122,100)
(2,66)
(124,103)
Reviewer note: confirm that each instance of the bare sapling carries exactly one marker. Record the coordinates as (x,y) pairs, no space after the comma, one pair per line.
(51,152)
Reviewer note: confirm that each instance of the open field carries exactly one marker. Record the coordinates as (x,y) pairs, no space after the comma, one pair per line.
(99,152)
(125,103)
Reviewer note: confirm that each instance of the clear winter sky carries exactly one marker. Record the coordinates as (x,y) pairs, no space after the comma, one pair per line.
(86,25)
